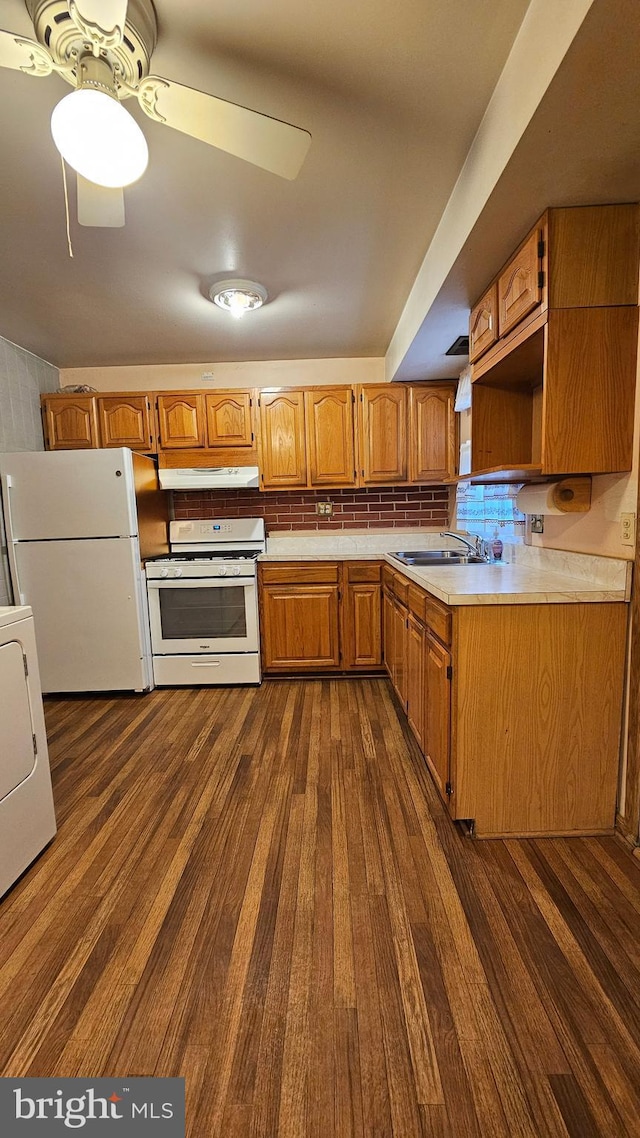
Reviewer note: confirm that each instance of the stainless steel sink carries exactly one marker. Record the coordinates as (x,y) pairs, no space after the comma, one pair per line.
(425,558)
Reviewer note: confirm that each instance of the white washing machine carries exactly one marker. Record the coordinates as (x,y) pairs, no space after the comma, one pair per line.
(27,819)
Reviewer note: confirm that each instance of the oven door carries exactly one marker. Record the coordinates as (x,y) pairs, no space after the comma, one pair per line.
(203,615)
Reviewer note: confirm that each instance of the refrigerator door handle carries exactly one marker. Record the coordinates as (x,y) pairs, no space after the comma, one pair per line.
(18,595)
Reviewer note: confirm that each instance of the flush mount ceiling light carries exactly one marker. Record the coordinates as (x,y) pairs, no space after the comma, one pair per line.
(95,134)
(238,297)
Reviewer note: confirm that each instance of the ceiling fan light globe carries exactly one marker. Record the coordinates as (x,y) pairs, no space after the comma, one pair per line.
(99,138)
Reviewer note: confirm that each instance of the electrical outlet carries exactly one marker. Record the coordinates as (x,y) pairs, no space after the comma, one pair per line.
(628,529)
(324,509)
(537,523)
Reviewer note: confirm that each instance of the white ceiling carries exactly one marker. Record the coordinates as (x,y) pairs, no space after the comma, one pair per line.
(392,95)
(582,147)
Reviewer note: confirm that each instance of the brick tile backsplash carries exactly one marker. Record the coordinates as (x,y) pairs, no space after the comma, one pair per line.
(386,508)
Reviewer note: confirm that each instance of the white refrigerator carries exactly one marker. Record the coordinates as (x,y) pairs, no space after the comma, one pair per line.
(78,524)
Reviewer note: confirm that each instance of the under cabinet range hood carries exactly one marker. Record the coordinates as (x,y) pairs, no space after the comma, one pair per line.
(209,478)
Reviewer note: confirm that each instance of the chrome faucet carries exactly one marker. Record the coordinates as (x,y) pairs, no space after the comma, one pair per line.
(478,546)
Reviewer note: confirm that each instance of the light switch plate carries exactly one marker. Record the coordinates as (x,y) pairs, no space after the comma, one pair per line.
(537,523)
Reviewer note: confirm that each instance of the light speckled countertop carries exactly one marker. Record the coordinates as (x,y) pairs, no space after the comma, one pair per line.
(501,584)
(528,575)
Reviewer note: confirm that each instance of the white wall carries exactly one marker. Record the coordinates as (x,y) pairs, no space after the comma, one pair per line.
(23,377)
(262,373)
(545,36)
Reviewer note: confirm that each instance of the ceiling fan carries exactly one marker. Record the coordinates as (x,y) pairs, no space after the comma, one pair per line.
(103,48)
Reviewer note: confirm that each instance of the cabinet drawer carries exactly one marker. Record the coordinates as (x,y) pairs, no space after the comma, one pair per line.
(438,618)
(401,588)
(416,600)
(300,573)
(369,572)
(387,577)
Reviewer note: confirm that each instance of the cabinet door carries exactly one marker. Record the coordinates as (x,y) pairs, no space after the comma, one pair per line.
(300,627)
(125,421)
(330,437)
(71,422)
(519,290)
(229,419)
(400,652)
(388,634)
(432,434)
(383,453)
(437,720)
(181,421)
(362,626)
(483,324)
(282,439)
(416,653)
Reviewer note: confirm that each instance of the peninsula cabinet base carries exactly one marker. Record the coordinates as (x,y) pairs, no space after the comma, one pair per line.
(536,714)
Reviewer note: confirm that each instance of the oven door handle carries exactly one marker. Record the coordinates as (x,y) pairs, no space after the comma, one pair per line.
(206,664)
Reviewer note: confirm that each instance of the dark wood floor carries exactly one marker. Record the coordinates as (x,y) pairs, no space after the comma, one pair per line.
(259,890)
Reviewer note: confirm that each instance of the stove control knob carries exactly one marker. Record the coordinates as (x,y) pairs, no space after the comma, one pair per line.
(164,572)
(236,571)
(177,572)
(222,572)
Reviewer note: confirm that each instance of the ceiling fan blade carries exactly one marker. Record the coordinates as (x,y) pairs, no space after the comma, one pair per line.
(24,55)
(266,142)
(99,206)
(101,21)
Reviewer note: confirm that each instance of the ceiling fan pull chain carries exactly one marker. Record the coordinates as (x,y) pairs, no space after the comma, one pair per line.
(66,205)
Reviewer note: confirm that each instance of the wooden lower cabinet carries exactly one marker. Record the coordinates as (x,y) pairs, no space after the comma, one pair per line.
(436,663)
(415,682)
(300,627)
(388,632)
(399,675)
(321,616)
(362,626)
(516,708)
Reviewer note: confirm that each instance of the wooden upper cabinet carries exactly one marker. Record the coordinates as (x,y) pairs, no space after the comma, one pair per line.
(483,324)
(71,422)
(181,421)
(432,433)
(519,286)
(330,436)
(125,421)
(556,394)
(383,450)
(282,439)
(593,256)
(229,419)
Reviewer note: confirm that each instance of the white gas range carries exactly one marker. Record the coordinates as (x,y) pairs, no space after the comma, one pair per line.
(203,603)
